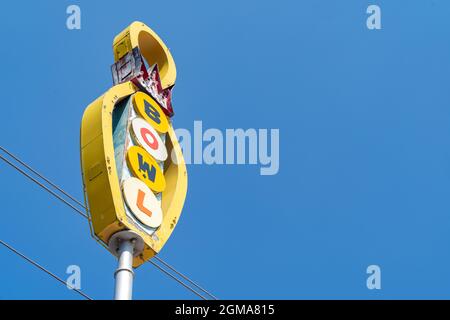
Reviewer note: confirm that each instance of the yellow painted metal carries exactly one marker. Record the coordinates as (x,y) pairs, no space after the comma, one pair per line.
(158,184)
(101,181)
(149,109)
(152,48)
(101,184)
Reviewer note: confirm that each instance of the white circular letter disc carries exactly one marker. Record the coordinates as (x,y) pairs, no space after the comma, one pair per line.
(148,138)
(142,202)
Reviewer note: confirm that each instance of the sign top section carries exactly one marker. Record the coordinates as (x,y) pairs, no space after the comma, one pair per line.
(133,47)
(152,48)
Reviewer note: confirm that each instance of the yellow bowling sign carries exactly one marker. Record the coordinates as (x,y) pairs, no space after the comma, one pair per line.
(134,174)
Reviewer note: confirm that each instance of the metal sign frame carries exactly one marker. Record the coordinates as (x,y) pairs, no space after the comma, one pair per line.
(102,189)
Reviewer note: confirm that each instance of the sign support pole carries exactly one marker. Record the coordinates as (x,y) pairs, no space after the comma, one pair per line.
(125,245)
(124,274)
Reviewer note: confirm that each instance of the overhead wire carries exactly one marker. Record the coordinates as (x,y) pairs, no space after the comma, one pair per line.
(185,277)
(43,186)
(37,265)
(177,280)
(87,217)
(41,176)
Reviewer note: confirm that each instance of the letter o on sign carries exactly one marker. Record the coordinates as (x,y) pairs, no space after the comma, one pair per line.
(147,137)
(142,202)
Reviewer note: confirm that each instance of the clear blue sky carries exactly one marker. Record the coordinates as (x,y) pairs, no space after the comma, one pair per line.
(364,119)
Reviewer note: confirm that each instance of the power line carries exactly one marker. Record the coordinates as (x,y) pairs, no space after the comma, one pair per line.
(86,216)
(177,280)
(41,176)
(43,269)
(41,185)
(184,277)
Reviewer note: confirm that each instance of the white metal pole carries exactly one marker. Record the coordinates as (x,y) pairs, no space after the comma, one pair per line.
(124,274)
